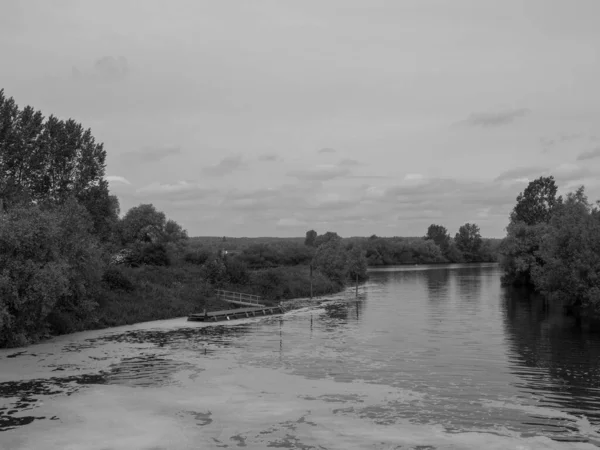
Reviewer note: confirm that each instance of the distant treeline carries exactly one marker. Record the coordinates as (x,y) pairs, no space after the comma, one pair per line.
(553,246)
(434,248)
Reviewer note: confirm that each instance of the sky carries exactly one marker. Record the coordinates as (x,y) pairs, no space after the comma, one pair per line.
(273,117)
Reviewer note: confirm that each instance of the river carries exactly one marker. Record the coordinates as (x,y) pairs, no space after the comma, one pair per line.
(427,357)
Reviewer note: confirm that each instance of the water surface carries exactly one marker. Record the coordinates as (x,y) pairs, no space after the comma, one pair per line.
(426,357)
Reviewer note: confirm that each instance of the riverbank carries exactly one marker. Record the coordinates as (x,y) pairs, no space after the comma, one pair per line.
(150,293)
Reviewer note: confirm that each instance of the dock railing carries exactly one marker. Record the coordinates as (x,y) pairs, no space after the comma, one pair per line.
(239,297)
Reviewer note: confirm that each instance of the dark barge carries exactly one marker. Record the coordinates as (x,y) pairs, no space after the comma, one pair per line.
(238,313)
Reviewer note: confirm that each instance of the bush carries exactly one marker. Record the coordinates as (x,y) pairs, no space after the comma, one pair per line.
(282,283)
(197,257)
(215,272)
(50,264)
(116,281)
(236,271)
(268,283)
(149,254)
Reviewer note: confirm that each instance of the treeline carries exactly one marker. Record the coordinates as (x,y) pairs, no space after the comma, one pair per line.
(553,245)
(437,246)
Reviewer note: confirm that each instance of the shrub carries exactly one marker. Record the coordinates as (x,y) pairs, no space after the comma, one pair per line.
(117,281)
(215,272)
(236,271)
(197,257)
(149,254)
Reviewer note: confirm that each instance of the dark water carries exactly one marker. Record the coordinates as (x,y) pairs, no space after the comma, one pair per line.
(484,356)
(476,355)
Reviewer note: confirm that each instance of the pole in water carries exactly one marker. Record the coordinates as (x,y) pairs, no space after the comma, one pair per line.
(311,287)
(357,285)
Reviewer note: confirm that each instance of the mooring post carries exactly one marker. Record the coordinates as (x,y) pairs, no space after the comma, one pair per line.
(311,287)
(356,285)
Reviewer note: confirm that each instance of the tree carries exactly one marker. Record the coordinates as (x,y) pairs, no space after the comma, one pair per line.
(50,271)
(569,252)
(142,223)
(104,210)
(50,161)
(357,264)
(331,260)
(454,255)
(468,241)
(174,232)
(311,236)
(324,238)
(536,203)
(440,236)
(528,222)
(518,252)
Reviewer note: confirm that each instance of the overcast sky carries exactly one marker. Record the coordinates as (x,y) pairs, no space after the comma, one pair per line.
(272,117)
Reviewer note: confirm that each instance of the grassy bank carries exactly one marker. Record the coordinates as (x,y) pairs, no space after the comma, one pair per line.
(149,293)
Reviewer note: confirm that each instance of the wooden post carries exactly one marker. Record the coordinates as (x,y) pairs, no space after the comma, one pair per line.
(356,285)
(311,284)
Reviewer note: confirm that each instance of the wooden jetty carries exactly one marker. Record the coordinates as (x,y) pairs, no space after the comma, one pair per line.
(239,298)
(238,313)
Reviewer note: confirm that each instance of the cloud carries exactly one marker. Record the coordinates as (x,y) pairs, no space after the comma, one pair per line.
(424,214)
(563,173)
(522,172)
(107,69)
(590,154)
(225,166)
(320,173)
(290,222)
(570,172)
(349,162)
(327,150)
(413,176)
(151,154)
(269,157)
(494,119)
(548,143)
(117,179)
(180,190)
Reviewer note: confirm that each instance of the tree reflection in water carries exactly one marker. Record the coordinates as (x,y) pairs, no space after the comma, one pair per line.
(557,361)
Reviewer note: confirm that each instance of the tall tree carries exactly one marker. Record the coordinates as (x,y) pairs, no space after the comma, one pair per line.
(49,161)
(528,223)
(331,260)
(324,238)
(311,236)
(468,241)
(536,203)
(142,223)
(569,252)
(440,236)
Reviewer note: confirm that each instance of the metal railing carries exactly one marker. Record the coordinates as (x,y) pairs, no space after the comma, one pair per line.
(239,297)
